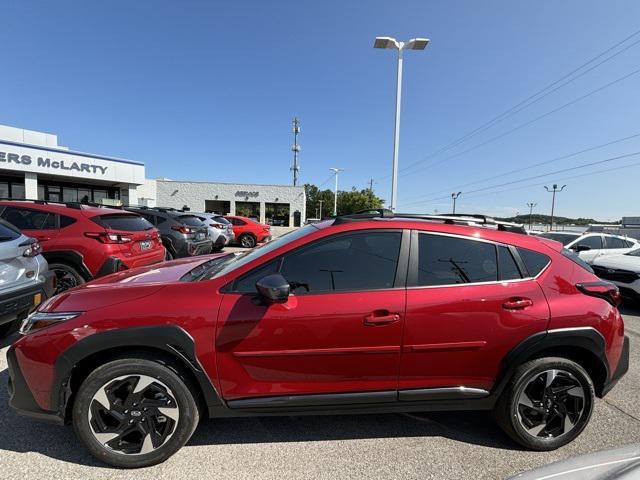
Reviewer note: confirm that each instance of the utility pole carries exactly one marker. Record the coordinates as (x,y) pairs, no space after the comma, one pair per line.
(371,185)
(320,215)
(455,196)
(400,47)
(295,168)
(553,200)
(531,206)
(336,171)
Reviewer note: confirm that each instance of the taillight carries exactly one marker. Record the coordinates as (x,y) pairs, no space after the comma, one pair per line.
(106,237)
(216,225)
(33,250)
(182,229)
(605,290)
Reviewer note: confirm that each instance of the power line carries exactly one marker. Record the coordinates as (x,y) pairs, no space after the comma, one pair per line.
(546,162)
(585,165)
(526,124)
(524,103)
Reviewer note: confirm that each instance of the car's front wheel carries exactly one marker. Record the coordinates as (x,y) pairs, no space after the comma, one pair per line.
(134,413)
(547,403)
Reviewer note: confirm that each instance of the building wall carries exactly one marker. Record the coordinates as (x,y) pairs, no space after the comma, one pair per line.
(178,194)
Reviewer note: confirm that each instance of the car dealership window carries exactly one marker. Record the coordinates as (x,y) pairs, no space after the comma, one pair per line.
(444,260)
(359,261)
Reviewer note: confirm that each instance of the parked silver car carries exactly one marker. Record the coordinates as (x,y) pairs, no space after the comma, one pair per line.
(220,229)
(25,280)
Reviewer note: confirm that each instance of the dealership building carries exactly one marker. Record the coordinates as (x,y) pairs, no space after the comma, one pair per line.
(34,166)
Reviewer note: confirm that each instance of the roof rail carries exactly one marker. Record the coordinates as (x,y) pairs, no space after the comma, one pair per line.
(457,219)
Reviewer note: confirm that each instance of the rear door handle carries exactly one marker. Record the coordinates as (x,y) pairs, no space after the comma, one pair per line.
(517,303)
(379,318)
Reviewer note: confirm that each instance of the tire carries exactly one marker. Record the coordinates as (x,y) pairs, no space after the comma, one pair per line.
(132,437)
(167,254)
(554,417)
(247,240)
(67,276)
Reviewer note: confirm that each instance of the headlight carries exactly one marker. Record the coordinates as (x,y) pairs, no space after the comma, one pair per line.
(38,320)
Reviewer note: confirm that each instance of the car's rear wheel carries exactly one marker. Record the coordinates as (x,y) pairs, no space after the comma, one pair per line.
(247,240)
(547,403)
(168,255)
(134,413)
(66,276)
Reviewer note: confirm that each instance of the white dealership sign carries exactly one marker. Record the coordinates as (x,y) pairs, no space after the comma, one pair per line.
(53,161)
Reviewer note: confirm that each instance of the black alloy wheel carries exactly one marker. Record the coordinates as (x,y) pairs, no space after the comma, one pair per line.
(66,277)
(551,404)
(133,414)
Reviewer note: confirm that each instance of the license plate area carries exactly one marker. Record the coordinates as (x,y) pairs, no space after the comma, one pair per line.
(199,236)
(145,244)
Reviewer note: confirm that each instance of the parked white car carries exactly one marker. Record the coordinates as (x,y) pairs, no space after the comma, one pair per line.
(220,229)
(590,246)
(623,270)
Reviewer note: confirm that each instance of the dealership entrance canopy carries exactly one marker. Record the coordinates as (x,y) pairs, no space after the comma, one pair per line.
(34,166)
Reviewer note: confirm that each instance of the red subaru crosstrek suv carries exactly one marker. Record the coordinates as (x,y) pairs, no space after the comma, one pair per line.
(83,242)
(362,313)
(248,232)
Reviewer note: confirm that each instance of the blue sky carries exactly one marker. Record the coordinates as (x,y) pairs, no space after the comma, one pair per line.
(206,91)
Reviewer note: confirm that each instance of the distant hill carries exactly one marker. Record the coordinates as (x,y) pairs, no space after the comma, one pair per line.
(545,219)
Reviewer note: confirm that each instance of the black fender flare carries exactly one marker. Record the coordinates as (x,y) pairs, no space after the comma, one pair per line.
(585,338)
(171,339)
(69,257)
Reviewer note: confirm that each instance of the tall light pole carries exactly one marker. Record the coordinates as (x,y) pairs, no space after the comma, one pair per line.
(320,215)
(392,43)
(553,200)
(455,196)
(531,206)
(336,171)
(295,168)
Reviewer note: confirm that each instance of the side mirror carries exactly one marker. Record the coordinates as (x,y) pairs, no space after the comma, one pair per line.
(582,248)
(273,288)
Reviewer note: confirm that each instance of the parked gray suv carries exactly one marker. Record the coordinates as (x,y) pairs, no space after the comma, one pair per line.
(25,280)
(183,234)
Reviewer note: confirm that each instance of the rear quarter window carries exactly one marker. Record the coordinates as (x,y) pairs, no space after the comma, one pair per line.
(7,232)
(126,223)
(534,261)
(573,256)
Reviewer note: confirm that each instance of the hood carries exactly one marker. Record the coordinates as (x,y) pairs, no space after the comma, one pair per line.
(623,262)
(123,286)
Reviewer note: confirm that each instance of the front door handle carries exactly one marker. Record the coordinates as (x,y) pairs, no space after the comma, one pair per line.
(380,317)
(42,238)
(517,303)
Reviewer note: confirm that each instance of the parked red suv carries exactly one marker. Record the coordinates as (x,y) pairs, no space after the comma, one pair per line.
(247,232)
(83,242)
(363,313)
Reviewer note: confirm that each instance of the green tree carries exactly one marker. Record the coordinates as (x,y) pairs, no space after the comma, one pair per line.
(348,201)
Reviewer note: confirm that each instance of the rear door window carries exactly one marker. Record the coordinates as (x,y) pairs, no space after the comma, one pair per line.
(444,260)
(507,266)
(126,223)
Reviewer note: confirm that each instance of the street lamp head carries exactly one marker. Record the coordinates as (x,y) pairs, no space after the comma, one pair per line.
(416,44)
(386,42)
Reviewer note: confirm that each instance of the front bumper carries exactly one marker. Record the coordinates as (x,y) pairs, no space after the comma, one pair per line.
(621,369)
(18,304)
(20,396)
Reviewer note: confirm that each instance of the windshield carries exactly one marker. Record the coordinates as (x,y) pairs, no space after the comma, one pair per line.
(563,238)
(223,265)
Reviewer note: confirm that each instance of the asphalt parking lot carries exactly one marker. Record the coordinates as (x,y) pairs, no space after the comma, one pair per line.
(428,445)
